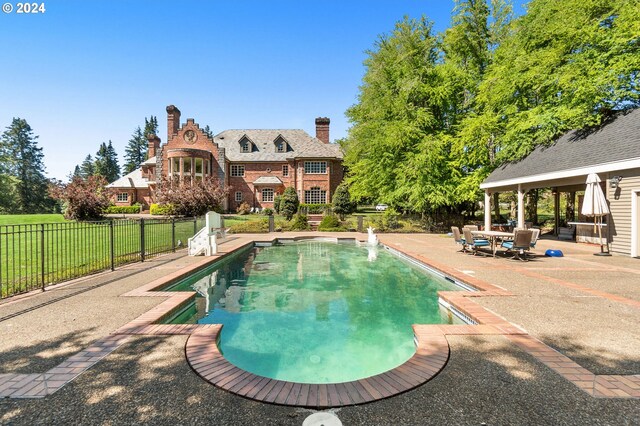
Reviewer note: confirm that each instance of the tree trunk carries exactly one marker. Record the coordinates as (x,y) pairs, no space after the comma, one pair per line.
(496,206)
(531,206)
(570,212)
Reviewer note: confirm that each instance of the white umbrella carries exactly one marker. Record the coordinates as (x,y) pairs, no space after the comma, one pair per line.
(595,204)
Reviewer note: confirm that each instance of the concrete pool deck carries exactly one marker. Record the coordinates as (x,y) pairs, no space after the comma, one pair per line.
(587,308)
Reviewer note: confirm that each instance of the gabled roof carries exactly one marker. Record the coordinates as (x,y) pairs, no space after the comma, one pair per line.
(301,144)
(613,143)
(132,180)
(268,180)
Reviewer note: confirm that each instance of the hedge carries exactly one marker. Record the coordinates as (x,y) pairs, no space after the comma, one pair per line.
(123,209)
(162,210)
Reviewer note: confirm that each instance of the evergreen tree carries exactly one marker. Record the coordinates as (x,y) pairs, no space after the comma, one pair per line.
(289,203)
(23,165)
(106,164)
(87,168)
(135,151)
(342,204)
(207,131)
(150,126)
(76,172)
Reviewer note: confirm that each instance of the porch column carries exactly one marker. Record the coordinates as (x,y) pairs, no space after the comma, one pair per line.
(556,210)
(520,207)
(487,210)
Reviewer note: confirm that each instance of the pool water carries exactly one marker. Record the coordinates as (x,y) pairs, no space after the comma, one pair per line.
(316,312)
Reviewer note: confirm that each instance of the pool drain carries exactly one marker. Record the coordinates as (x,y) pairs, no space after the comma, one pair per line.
(322,418)
(314,359)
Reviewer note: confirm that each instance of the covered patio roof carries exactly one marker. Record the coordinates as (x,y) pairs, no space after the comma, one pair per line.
(613,146)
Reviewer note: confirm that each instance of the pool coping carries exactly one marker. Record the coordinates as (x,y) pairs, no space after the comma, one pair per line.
(432,352)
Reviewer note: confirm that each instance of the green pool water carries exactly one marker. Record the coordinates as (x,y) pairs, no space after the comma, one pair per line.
(316,312)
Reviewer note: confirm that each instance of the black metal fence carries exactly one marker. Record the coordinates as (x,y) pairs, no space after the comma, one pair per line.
(37,255)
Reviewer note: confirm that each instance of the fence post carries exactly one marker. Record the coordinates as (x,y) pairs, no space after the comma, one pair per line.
(173,234)
(112,244)
(42,254)
(142,240)
(360,224)
(195,225)
(272,226)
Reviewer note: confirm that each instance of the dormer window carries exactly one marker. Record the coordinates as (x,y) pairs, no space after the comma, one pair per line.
(281,145)
(246,145)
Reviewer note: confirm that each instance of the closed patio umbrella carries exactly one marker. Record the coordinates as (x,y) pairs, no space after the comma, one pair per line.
(595,204)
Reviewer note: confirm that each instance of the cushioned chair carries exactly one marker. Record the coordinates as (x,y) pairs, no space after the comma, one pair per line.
(474,243)
(520,244)
(458,238)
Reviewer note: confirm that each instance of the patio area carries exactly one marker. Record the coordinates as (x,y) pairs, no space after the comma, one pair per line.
(585,307)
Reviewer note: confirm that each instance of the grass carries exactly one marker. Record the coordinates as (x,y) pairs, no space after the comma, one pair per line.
(35,253)
(21,219)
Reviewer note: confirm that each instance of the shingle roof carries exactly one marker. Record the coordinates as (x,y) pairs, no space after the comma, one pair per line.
(618,140)
(267,180)
(132,180)
(301,143)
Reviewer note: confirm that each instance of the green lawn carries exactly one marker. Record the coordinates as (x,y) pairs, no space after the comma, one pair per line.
(36,252)
(20,219)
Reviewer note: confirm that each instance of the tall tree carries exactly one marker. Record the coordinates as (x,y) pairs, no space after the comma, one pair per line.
(135,153)
(398,147)
(106,164)
(87,168)
(150,126)
(23,162)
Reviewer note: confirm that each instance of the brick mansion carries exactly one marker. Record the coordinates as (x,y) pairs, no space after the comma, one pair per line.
(254,164)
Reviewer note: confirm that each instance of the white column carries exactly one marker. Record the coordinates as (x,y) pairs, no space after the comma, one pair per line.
(487,210)
(520,207)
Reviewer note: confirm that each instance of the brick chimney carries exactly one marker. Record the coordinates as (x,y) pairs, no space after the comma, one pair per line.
(173,121)
(154,144)
(322,129)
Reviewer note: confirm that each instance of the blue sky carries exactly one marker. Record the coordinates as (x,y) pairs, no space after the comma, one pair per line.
(85,71)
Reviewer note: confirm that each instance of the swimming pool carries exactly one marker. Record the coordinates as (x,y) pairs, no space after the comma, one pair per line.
(315,312)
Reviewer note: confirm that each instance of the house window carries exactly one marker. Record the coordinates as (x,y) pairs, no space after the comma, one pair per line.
(237,170)
(186,166)
(267,195)
(238,196)
(280,147)
(315,167)
(285,170)
(245,146)
(199,163)
(175,166)
(123,197)
(315,196)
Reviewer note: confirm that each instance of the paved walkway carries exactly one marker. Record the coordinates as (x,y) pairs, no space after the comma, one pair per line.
(585,307)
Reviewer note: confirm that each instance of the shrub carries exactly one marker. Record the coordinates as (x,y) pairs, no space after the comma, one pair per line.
(314,208)
(276,203)
(289,203)
(161,209)
(84,199)
(342,204)
(388,221)
(192,197)
(267,211)
(300,223)
(250,226)
(243,208)
(330,223)
(136,208)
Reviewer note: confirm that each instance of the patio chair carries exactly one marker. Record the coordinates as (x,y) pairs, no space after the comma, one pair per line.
(458,238)
(534,237)
(474,243)
(471,227)
(520,244)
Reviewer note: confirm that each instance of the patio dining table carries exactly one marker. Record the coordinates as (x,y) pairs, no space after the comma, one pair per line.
(493,237)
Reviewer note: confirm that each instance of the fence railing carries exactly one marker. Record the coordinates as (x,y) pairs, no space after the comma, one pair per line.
(34,256)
